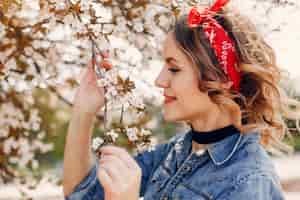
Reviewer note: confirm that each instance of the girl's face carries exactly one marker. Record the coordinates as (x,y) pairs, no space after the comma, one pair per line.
(179,78)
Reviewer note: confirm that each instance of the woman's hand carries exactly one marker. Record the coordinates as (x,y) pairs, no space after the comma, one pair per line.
(119,174)
(89,97)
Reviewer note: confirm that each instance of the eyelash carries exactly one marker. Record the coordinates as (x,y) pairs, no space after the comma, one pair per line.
(173,70)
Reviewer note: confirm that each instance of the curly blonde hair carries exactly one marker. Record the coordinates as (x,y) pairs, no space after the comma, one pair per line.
(263,104)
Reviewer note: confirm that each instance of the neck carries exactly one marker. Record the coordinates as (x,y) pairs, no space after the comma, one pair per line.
(216,118)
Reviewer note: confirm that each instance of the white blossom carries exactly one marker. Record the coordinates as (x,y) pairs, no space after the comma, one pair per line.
(112,134)
(58,53)
(132,134)
(97,142)
(35,164)
(59,33)
(138,26)
(104,13)
(30,10)
(107,28)
(9,144)
(145,132)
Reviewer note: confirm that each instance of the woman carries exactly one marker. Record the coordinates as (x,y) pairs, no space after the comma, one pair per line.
(221,78)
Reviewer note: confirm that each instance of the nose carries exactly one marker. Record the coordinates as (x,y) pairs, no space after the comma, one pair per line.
(162,80)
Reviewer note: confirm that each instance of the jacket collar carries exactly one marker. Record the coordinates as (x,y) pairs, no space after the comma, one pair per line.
(220,151)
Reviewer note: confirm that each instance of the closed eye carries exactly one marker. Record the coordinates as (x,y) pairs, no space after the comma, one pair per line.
(173,70)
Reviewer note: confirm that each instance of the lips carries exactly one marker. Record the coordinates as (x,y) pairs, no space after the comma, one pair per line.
(169,99)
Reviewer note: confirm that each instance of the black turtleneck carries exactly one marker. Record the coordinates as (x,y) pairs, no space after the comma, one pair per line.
(207,137)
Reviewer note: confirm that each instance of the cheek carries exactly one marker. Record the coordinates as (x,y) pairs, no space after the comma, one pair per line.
(186,89)
(190,99)
(194,101)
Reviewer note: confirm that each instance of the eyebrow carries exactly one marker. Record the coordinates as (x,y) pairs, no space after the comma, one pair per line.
(171,59)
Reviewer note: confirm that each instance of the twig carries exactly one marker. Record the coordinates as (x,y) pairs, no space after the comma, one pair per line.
(54,90)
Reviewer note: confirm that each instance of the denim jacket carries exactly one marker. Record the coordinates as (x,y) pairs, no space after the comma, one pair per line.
(236,167)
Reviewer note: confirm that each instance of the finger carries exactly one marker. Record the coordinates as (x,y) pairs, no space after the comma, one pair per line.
(115,160)
(105,53)
(113,171)
(119,152)
(105,179)
(117,169)
(91,63)
(82,74)
(90,68)
(94,61)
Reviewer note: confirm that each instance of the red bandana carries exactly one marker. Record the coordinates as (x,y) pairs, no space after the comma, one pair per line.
(219,39)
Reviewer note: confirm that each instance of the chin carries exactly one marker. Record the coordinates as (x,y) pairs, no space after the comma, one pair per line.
(175,114)
(168,117)
(178,116)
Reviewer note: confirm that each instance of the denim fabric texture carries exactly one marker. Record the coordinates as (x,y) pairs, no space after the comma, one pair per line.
(235,168)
